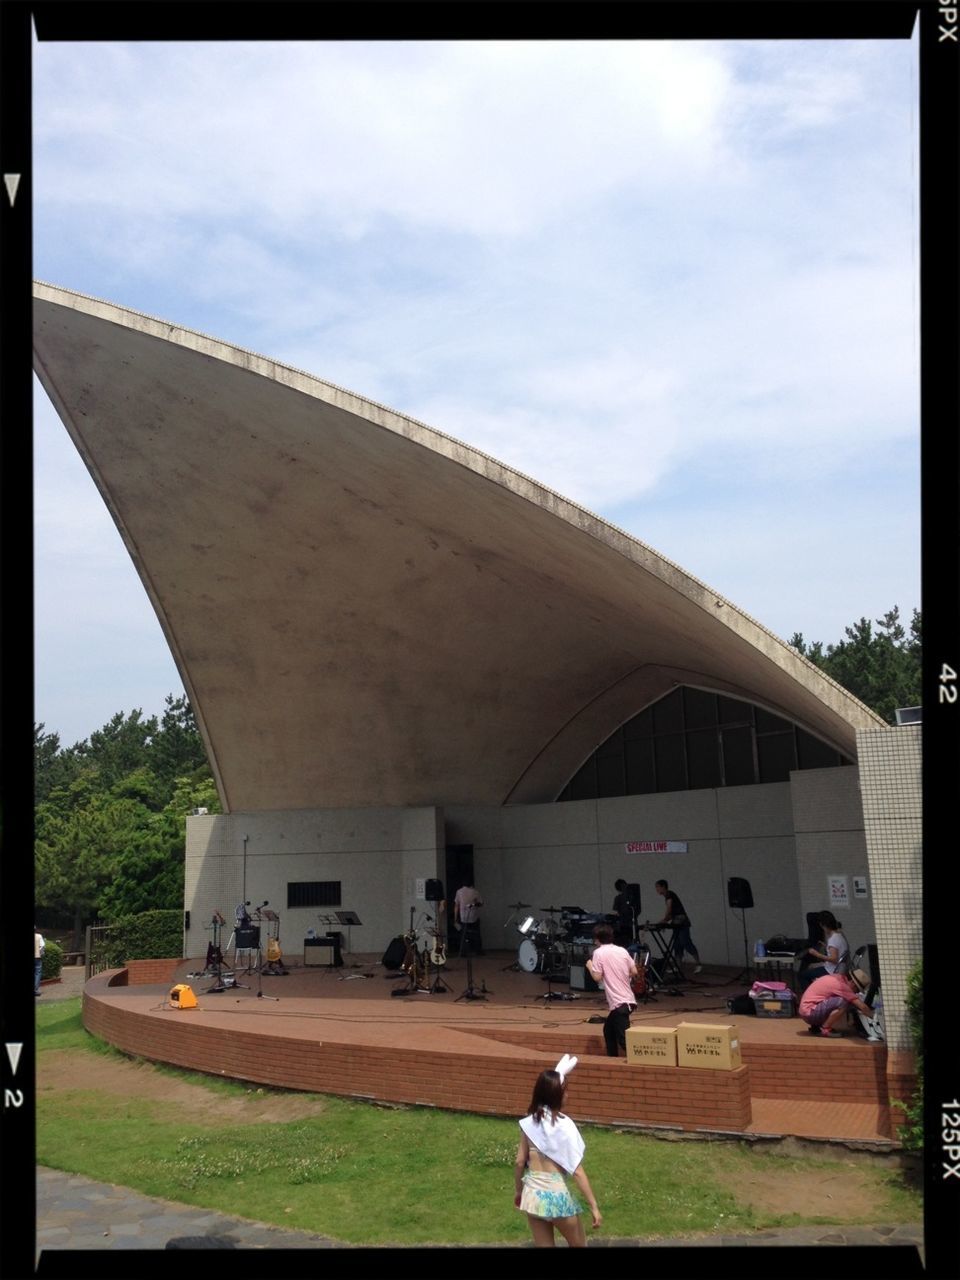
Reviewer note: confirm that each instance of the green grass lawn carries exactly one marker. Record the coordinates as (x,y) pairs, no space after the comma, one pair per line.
(379,1175)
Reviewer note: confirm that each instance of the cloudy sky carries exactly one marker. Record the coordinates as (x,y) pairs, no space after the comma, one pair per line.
(674,282)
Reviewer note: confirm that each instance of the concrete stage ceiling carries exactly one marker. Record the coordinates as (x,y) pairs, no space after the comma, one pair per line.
(367,612)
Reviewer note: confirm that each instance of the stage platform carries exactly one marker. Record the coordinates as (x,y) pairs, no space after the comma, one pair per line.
(344,1031)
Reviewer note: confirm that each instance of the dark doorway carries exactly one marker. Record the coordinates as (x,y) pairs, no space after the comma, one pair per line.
(459,871)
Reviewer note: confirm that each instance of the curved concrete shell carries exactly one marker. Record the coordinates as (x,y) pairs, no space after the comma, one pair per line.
(365,611)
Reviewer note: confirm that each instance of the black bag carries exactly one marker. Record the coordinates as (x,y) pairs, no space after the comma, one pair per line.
(394,954)
(742,1004)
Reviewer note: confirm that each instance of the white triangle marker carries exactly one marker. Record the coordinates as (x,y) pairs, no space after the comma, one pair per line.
(13,1053)
(11,181)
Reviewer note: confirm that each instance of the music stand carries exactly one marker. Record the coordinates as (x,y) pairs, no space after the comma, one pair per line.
(348,919)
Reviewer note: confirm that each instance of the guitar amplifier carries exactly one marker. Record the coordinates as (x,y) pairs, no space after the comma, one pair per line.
(322,951)
(580,979)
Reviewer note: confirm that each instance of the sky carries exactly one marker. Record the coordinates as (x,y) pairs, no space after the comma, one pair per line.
(674,282)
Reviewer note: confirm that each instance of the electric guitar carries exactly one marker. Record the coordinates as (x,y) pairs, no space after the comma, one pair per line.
(438,948)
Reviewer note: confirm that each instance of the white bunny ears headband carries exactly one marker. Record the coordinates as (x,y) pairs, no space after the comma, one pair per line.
(565,1066)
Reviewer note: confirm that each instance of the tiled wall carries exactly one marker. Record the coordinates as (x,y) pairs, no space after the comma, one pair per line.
(890,783)
(828,820)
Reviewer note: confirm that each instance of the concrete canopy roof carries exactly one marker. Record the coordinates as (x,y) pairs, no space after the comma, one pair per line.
(367,612)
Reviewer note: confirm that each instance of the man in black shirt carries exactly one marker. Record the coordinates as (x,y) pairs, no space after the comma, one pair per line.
(623,910)
(675,915)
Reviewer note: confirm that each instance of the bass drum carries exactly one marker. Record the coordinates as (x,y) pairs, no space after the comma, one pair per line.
(528,957)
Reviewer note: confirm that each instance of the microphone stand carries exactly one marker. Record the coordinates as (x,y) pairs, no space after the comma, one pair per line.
(260,995)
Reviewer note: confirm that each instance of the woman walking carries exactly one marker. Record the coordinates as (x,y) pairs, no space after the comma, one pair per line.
(551,1150)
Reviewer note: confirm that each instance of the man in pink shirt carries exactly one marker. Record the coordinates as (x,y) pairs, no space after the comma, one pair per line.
(827,999)
(614,967)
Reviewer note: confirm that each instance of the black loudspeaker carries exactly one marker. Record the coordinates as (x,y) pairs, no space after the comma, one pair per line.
(434,891)
(394,955)
(247,938)
(739,894)
(633,897)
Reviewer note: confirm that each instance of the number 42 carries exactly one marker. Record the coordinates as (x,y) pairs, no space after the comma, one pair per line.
(948,685)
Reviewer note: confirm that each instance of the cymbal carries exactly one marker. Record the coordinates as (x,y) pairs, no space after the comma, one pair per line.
(515,906)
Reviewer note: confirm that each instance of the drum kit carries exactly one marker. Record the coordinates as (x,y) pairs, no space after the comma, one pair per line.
(548,945)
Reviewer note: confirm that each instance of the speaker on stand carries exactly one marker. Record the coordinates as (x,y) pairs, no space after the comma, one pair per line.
(740,898)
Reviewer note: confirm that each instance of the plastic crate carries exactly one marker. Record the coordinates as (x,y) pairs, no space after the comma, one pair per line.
(774,1005)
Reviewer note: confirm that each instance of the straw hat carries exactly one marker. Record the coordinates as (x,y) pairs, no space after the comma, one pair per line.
(861,979)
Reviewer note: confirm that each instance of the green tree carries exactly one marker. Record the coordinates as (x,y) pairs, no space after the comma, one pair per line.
(177,749)
(120,747)
(111,814)
(52,765)
(882,668)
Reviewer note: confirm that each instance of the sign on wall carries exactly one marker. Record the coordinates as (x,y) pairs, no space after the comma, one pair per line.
(859,886)
(837,892)
(656,846)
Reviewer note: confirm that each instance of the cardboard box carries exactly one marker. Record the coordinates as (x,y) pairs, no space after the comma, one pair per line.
(710,1045)
(652,1046)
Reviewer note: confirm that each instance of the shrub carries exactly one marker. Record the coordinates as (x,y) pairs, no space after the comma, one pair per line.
(52,961)
(150,935)
(911,1131)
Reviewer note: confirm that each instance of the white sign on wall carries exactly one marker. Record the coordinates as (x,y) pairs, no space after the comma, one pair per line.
(656,846)
(859,886)
(837,892)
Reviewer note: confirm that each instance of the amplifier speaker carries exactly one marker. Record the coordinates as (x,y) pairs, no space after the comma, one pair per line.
(739,894)
(247,937)
(322,951)
(182,997)
(580,979)
(434,891)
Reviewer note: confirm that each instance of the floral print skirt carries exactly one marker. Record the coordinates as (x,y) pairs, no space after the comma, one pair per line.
(545,1195)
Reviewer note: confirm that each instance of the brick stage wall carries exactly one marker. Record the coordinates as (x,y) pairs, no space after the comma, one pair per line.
(607,1091)
(146,972)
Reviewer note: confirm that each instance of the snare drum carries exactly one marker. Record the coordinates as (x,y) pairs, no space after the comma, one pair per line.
(528,957)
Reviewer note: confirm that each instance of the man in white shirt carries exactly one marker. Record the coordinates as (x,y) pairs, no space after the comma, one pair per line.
(466,913)
(39,946)
(615,968)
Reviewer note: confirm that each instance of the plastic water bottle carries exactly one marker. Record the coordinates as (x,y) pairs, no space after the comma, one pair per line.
(760,950)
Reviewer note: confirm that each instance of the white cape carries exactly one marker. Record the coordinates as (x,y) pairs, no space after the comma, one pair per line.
(559,1141)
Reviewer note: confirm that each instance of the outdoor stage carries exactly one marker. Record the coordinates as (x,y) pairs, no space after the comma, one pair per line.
(343,1031)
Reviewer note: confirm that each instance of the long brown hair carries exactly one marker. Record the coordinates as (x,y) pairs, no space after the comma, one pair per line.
(547,1096)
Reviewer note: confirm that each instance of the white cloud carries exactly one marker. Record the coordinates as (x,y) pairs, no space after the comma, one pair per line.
(644,274)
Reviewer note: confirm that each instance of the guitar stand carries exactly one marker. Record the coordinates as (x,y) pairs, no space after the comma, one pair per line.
(219,983)
(439,987)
